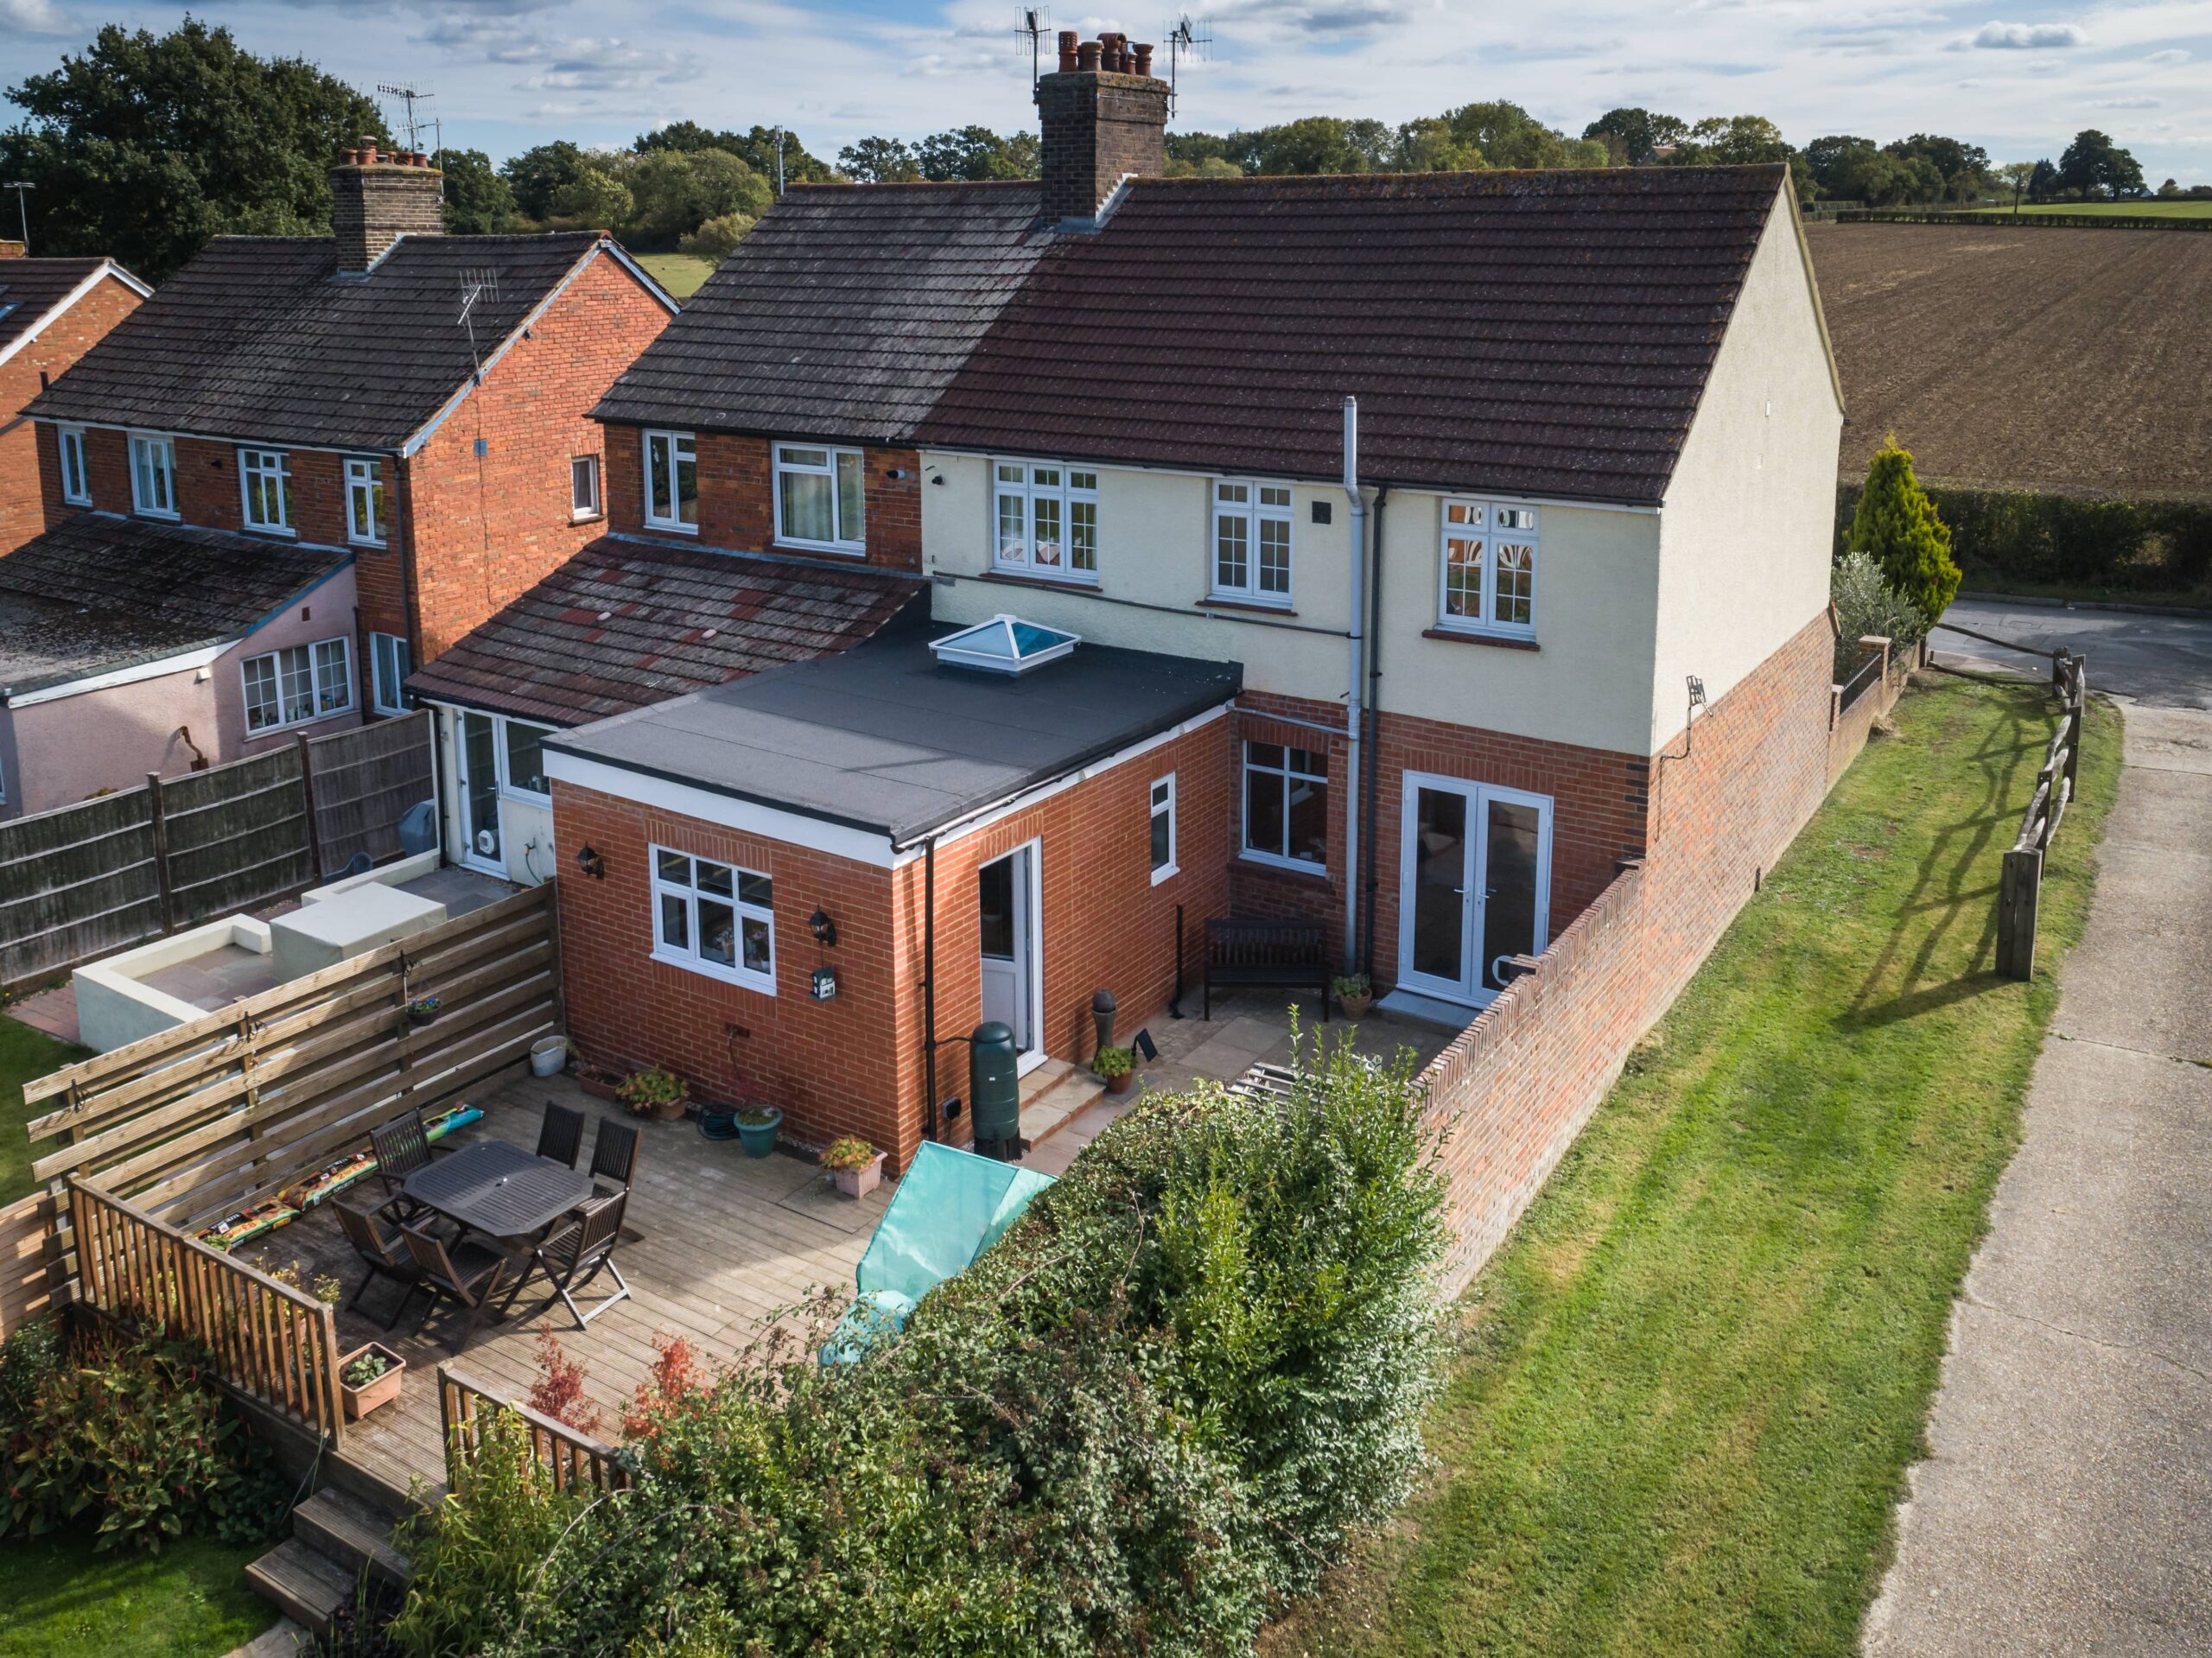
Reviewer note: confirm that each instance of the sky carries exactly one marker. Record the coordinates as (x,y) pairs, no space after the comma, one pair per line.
(2019,79)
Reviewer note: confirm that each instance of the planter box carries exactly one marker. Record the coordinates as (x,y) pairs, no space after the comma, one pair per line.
(360,1401)
(858,1183)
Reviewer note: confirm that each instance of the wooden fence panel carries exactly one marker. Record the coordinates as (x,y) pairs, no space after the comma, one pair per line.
(31,1275)
(574,1461)
(238,835)
(76,884)
(364,780)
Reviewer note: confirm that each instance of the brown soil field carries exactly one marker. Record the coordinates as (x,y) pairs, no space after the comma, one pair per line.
(2078,360)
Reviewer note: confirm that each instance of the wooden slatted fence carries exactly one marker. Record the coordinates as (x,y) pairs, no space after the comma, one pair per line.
(362,783)
(575,1462)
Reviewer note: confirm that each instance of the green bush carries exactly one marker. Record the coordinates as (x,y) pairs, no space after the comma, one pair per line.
(1866,605)
(2025,537)
(1161,1403)
(1898,527)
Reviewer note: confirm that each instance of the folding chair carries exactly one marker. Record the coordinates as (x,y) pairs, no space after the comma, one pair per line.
(561,1135)
(469,1274)
(579,1249)
(401,1147)
(385,1255)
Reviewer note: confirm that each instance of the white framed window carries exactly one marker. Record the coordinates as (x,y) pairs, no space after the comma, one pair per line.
(265,484)
(673,481)
(388,670)
(714,919)
(522,759)
(822,498)
(1487,568)
(1251,541)
(153,475)
(1163,828)
(1045,519)
(297,684)
(76,474)
(1286,805)
(583,486)
(364,506)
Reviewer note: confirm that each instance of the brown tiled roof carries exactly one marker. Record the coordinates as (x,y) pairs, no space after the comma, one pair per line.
(625,623)
(101,592)
(260,336)
(842,315)
(31,288)
(1548,332)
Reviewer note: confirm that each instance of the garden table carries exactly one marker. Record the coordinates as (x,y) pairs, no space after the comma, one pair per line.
(499,1190)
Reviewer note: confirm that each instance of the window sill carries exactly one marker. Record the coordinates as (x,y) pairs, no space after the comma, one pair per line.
(1464,636)
(254,735)
(269,531)
(76,500)
(1252,863)
(157,513)
(587,517)
(663,527)
(1257,607)
(1166,872)
(373,546)
(720,976)
(817,548)
(1030,579)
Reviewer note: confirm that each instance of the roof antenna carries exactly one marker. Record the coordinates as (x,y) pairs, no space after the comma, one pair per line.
(475,286)
(414,123)
(1036,23)
(1186,38)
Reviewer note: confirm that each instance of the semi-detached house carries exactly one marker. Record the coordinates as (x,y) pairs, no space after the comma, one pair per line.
(305,465)
(1200,646)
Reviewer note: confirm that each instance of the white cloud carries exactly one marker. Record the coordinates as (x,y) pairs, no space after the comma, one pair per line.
(32,17)
(2124,104)
(2027,37)
(2171,54)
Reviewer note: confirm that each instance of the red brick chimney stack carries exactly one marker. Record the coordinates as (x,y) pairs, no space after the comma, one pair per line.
(1104,118)
(378,195)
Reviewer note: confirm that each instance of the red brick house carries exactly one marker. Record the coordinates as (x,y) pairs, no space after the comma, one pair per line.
(1463,650)
(415,404)
(52,312)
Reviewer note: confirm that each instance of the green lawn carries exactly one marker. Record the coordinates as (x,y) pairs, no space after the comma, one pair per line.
(679,273)
(59,1600)
(1687,1391)
(25,1055)
(2187,208)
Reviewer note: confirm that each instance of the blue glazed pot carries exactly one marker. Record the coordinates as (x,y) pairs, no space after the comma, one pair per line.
(759,1138)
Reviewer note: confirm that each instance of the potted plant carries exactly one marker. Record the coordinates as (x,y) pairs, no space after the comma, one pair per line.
(756,1128)
(369,1376)
(1116,1067)
(422,1009)
(854,1165)
(1353,993)
(654,1093)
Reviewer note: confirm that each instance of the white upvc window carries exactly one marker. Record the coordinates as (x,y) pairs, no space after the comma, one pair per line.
(1251,541)
(153,475)
(365,501)
(822,498)
(1286,805)
(76,473)
(522,759)
(583,486)
(714,919)
(265,484)
(1487,570)
(388,670)
(298,685)
(673,481)
(1045,519)
(1163,828)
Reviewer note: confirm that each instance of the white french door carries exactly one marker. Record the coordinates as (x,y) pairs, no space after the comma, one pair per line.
(1008,900)
(476,762)
(1474,886)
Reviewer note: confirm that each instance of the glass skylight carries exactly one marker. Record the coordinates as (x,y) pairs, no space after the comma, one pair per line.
(1004,645)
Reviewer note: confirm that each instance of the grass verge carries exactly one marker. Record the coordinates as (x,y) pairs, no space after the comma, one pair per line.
(25,1055)
(61,1600)
(1687,1389)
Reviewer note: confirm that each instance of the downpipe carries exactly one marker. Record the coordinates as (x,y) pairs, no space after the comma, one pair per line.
(1356,683)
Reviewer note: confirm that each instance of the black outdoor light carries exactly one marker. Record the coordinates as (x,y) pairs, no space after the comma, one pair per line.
(591,863)
(824,928)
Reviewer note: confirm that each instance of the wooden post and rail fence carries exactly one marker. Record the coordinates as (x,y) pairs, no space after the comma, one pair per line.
(573,1461)
(2020,889)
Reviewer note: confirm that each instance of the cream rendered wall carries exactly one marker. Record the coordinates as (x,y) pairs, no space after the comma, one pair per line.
(1749,515)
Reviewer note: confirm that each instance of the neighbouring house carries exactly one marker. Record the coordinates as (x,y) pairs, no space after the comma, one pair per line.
(1202,647)
(415,405)
(52,312)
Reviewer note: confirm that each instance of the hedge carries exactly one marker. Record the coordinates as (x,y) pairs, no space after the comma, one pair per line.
(2047,221)
(2033,537)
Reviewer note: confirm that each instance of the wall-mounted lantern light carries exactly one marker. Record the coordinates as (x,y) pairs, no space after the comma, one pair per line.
(824,928)
(591,863)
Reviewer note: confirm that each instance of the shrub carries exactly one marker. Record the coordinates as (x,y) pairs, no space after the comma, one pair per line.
(718,237)
(848,1153)
(1867,605)
(31,1354)
(2004,536)
(1897,526)
(559,1390)
(1112,1061)
(644,1091)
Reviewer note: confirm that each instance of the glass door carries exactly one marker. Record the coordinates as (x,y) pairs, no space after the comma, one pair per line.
(1006,912)
(480,793)
(1475,885)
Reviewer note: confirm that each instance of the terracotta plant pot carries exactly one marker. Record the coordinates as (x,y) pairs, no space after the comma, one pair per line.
(1354,1007)
(360,1401)
(858,1183)
(1120,1084)
(666,1111)
(600,1084)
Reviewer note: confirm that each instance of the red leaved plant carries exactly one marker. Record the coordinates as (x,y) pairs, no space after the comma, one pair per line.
(675,1376)
(559,1390)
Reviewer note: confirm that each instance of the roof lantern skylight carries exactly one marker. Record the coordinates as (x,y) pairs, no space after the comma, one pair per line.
(1004,645)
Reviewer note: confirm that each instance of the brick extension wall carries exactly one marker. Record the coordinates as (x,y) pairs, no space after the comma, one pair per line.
(30,497)
(1514,1089)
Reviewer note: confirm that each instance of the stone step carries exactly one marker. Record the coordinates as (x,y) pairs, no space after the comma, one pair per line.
(353,1533)
(1058,1105)
(306,1586)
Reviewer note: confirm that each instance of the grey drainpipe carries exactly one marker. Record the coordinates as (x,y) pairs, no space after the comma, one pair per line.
(1357,681)
(1372,783)
(928,985)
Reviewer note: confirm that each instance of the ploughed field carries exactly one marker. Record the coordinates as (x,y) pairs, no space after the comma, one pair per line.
(2074,361)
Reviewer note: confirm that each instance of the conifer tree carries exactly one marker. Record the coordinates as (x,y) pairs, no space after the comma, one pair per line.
(1898,525)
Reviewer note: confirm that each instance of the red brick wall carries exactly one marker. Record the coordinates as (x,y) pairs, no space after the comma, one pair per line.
(481,530)
(30,466)
(1269,892)
(737,507)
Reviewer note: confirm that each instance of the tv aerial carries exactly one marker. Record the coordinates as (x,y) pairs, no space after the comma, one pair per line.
(414,121)
(1186,38)
(476,287)
(1029,36)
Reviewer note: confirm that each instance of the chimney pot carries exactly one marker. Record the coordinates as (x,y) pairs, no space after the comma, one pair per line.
(1086,57)
(1068,38)
(1144,59)
(1099,129)
(372,206)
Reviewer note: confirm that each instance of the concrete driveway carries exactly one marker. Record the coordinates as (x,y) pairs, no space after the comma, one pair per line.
(2165,661)
(2066,1503)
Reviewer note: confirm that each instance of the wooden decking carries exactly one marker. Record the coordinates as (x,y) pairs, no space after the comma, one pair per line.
(727,1240)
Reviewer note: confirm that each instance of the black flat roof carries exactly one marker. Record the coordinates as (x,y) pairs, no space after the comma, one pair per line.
(883,738)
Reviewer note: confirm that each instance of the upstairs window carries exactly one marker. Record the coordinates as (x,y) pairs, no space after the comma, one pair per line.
(1488,572)
(715,919)
(822,498)
(1046,520)
(153,476)
(1251,542)
(673,481)
(583,487)
(365,500)
(388,667)
(266,478)
(298,684)
(76,476)
(1286,805)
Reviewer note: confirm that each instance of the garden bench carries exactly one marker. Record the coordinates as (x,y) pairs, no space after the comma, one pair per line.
(1290,953)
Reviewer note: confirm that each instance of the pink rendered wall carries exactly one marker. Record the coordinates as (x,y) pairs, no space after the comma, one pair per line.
(61,752)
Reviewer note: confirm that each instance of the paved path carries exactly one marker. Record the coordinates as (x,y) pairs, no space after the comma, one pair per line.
(2166,660)
(2066,1507)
